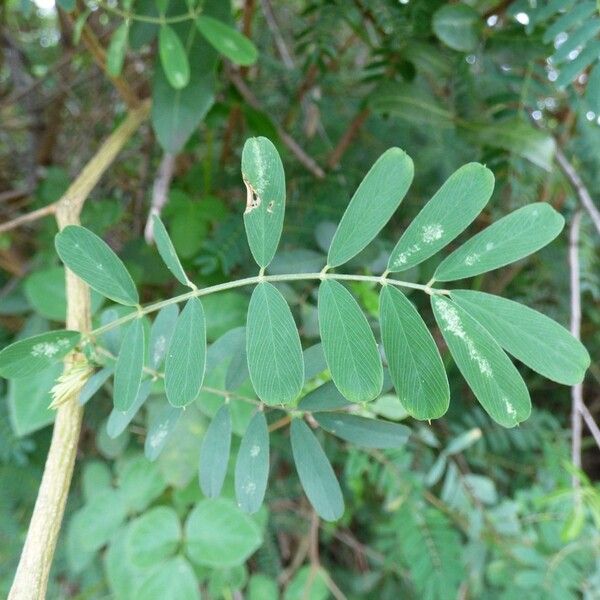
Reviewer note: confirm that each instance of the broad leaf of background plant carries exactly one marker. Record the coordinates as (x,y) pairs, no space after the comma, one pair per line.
(374,202)
(413,359)
(264,177)
(273,347)
(172,579)
(219,535)
(531,337)
(489,372)
(348,344)
(154,536)
(451,210)
(458,26)
(513,237)
(315,472)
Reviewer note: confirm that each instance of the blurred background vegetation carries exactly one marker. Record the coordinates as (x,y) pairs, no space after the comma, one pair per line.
(466,509)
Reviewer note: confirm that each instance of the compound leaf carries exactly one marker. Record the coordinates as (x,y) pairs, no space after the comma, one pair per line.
(130,363)
(348,343)
(491,375)
(316,473)
(36,353)
(451,210)
(214,453)
(252,465)
(264,178)
(92,260)
(368,433)
(414,361)
(531,337)
(373,203)
(273,346)
(513,237)
(186,358)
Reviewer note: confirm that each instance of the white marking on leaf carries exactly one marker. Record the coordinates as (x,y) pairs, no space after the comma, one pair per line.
(404,256)
(255,451)
(431,233)
(158,438)
(490,246)
(250,488)
(159,348)
(49,349)
(510,409)
(454,326)
(471,259)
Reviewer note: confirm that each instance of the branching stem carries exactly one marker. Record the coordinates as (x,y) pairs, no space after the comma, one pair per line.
(221,287)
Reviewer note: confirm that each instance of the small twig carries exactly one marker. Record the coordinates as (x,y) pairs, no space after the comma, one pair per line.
(589,421)
(34,215)
(282,48)
(160,192)
(347,138)
(307,161)
(576,390)
(580,188)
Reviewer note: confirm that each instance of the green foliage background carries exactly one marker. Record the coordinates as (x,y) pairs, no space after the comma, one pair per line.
(466,509)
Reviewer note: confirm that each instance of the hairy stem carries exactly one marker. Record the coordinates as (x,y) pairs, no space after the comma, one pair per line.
(31,579)
(194,293)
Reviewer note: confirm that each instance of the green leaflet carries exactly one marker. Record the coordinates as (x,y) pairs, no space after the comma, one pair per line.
(118,420)
(220,535)
(348,344)
(115,55)
(369,433)
(451,210)
(91,259)
(159,431)
(167,251)
(491,375)
(263,175)
(214,453)
(325,397)
(252,465)
(414,361)
(128,370)
(273,347)
(173,57)
(172,579)
(34,354)
(186,358)
(154,536)
(458,26)
(373,203)
(161,333)
(513,237)
(316,473)
(228,41)
(531,337)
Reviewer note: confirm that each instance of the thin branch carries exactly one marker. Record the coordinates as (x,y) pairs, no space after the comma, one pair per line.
(307,161)
(347,138)
(34,215)
(286,55)
(589,421)
(160,192)
(576,390)
(580,188)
